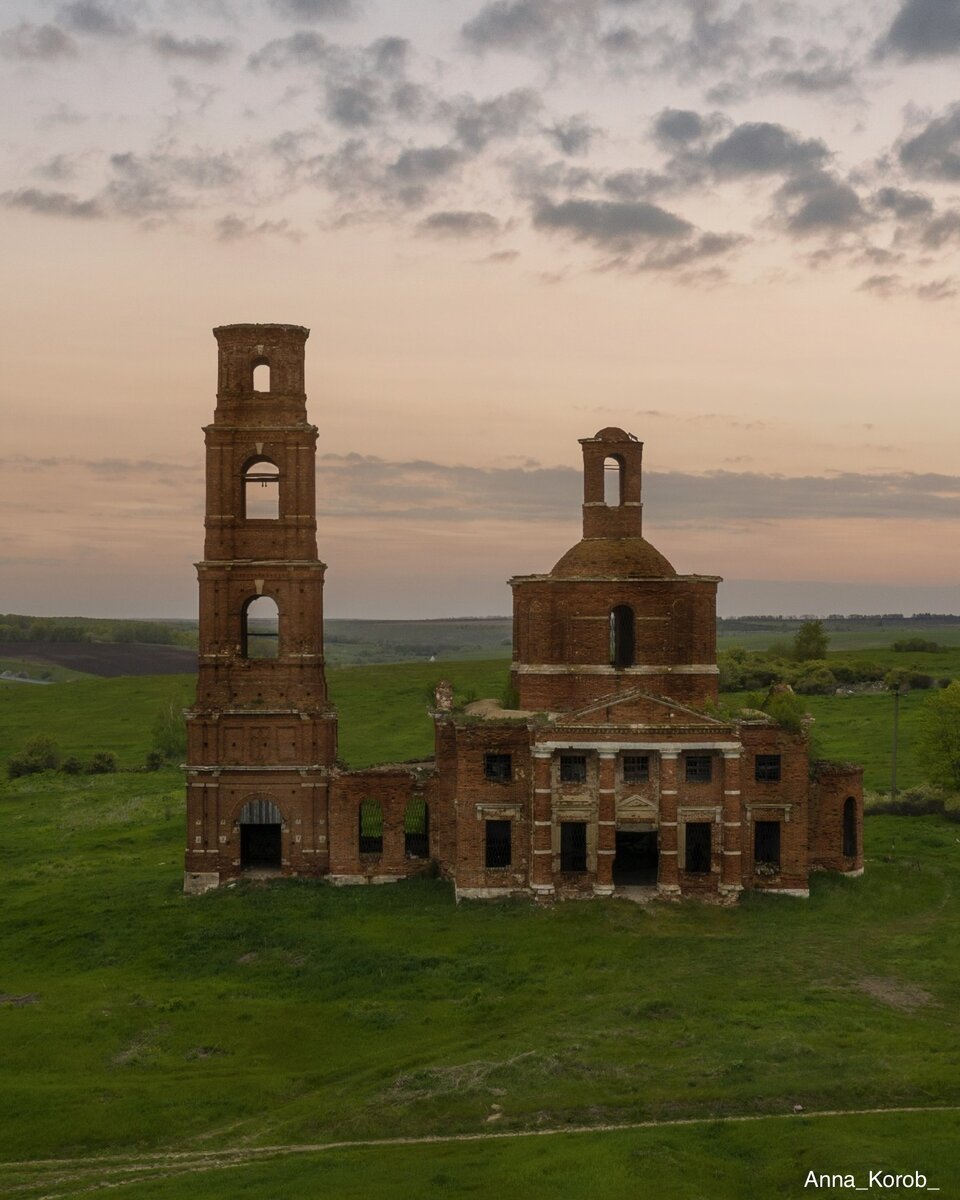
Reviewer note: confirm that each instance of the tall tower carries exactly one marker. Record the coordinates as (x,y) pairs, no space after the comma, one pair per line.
(262,735)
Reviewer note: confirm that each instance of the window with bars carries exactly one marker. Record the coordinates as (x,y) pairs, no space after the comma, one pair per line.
(573,846)
(697,852)
(371,827)
(573,768)
(497,844)
(766,768)
(498,768)
(698,767)
(636,768)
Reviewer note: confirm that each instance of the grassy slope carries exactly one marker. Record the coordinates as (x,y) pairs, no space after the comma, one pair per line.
(301,1013)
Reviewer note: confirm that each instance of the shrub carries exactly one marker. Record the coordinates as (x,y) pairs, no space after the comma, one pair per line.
(154,760)
(918,644)
(104,762)
(951,808)
(170,732)
(911,802)
(39,754)
(71,765)
(816,680)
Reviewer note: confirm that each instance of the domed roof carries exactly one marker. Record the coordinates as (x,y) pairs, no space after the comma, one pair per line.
(612,434)
(613,558)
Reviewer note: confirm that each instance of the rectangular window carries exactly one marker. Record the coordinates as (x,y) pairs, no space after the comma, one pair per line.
(697,859)
(636,768)
(497,844)
(497,767)
(699,768)
(766,768)
(573,846)
(573,768)
(766,846)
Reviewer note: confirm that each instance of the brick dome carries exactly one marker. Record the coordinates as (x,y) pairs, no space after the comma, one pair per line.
(613,558)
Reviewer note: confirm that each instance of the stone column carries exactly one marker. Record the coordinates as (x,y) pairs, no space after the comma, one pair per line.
(668,883)
(541,867)
(731,870)
(606,823)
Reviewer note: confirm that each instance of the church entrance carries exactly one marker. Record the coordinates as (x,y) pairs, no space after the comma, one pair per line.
(261,825)
(636,860)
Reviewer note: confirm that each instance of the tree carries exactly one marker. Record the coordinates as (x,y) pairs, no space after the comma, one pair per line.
(940,735)
(810,641)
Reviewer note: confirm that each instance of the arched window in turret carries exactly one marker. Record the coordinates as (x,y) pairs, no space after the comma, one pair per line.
(261,375)
(613,481)
(260,628)
(261,490)
(621,636)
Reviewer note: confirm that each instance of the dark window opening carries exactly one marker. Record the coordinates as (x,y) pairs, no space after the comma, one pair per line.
(259,846)
(261,490)
(573,846)
(371,827)
(613,474)
(636,860)
(261,375)
(416,828)
(497,851)
(699,768)
(498,768)
(260,628)
(636,768)
(697,859)
(573,768)
(621,636)
(766,845)
(766,768)
(850,827)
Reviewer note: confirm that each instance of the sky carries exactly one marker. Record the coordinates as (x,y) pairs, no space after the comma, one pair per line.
(730,228)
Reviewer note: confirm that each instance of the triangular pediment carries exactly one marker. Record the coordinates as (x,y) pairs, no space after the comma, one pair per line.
(635,806)
(638,707)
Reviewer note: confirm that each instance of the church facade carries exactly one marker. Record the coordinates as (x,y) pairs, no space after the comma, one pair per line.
(613,769)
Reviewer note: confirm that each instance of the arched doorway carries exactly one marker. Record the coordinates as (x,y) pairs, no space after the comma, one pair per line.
(261,825)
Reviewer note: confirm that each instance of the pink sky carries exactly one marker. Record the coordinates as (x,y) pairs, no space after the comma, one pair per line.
(731,229)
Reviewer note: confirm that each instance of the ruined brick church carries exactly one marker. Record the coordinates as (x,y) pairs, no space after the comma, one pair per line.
(613,770)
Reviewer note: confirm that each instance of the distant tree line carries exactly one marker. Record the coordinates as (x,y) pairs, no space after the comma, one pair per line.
(15,627)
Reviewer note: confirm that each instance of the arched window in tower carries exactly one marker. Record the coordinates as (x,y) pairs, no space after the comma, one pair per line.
(621,636)
(261,490)
(260,628)
(850,828)
(261,375)
(613,474)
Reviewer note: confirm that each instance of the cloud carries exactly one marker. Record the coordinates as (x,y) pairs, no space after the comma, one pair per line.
(147,185)
(356,104)
(937,289)
(763,148)
(887,286)
(197,49)
(232,228)
(942,229)
(674,127)
(477,122)
(420,164)
(52,204)
(516,24)
(905,206)
(37,42)
(313,10)
(934,152)
(360,485)
(572,136)
(883,286)
(924,29)
(459,224)
(817,202)
(301,49)
(96,20)
(612,224)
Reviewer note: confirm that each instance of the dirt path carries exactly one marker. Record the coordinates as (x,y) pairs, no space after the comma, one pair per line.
(33,1179)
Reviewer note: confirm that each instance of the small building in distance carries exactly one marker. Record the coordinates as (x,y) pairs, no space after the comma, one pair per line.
(613,770)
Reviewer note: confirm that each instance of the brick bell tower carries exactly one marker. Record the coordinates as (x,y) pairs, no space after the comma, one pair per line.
(262,734)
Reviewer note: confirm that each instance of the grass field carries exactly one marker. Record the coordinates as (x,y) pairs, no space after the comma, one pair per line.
(134,1021)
